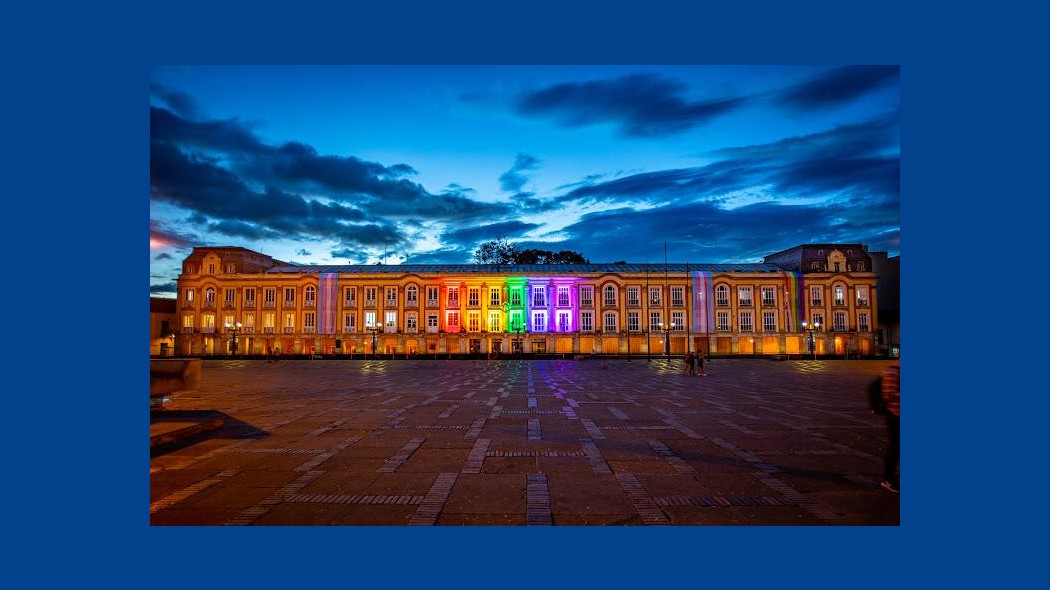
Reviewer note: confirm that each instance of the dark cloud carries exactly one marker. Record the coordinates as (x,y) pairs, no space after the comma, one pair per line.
(838,86)
(171,287)
(860,158)
(472,235)
(164,237)
(223,173)
(178,102)
(163,256)
(302,252)
(441,256)
(352,256)
(703,232)
(514,179)
(642,105)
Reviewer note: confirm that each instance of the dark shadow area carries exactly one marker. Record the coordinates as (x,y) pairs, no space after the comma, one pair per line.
(176,429)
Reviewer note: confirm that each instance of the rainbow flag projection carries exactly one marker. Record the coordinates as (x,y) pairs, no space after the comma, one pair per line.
(793,287)
(703,302)
(328,301)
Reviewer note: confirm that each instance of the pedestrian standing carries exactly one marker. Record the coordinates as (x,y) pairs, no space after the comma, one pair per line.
(690,364)
(277,354)
(269,354)
(700,363)
(891,398)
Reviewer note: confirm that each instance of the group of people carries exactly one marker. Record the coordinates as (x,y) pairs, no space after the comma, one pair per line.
(273,354)
(694,364)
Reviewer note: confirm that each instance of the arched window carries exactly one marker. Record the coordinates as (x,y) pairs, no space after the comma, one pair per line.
(209,295)
(411,296)
(311,294)
(610,295)
(722,295)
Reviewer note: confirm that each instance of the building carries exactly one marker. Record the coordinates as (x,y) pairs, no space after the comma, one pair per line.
(888,270)
(816,299)
(163,317)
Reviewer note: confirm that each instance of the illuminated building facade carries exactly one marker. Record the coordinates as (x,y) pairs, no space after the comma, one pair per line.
(571,309)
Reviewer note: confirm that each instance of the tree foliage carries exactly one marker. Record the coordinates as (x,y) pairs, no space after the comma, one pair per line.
(503,252)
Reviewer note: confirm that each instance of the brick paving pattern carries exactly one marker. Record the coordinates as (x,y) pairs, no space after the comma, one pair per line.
(514,442)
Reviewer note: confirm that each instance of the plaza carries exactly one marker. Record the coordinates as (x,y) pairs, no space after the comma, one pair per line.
(524,442)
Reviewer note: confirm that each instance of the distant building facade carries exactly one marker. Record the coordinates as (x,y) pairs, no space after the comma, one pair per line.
(604,309)
(163,319)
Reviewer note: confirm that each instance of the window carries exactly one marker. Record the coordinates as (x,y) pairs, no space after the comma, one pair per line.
(187,321)
(391,297)
(350,323)
(432,296)
(412,296)
(860,266)
(229,295)
(474,321)
(309,322)
(432,322)
(517,322)
(818,319)
(654,295)
(473,297)
(587,321)
(722,296)
(350,296)
(231,269)
(862,295)
(632,296)
(840,321)
(743,295)
(587,296)
(816,295)
(838,267)
(453,297)
(539,321)
(211,269)
(678,321)
(391,321)
(494,298)
(188,293)
(208,323)
(563,322)
(209,296)
(632,321)
(539,296)
(814,265)
(840,295)
(370,296)
(227,320)
(249,322)
(746,324)
(515,296)
(310,296)
(494,323)
(249,297)
(655,320)
(862,322)
(411,323)
(769,321)
(722,321)
(289,296)
(563,297)
(610,295)
(769,296)
(452,321)
(268,322)
(610,322)
(678,296)
(370,320)
(289,322)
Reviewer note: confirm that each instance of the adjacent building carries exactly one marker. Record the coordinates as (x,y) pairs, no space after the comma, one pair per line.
(819,299)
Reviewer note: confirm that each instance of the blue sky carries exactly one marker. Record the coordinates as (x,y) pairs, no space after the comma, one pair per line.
(360,164)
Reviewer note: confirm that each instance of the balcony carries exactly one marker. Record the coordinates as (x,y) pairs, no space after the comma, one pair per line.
(209,305)
(586,303)
(208,330)
(817,303)
(862,303)
(269,305)
(768,303)
(310,303)
(719,303)
(249,303)
(370,303)
(229,305)
(289,330)
(268,330)
(248,329)
(681,303)
(413,303)
(187,330)
(840,303)
(634,303)
(289,303)
(309,329)
(432,303)
(746,303)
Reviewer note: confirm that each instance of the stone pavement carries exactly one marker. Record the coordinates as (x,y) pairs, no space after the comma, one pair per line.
(512,442)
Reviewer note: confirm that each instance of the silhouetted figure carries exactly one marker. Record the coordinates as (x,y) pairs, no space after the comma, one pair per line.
(700,363)
(891,397)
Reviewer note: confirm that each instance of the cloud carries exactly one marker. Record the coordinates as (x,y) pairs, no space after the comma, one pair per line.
(163,256)
(470,236)
(641,105)
(514,179)
(838,86)
(223,173)
(440,256)
(170,287)
(302,252)
(162,237)
(178,102)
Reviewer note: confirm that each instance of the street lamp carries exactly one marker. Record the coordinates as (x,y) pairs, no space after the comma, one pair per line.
(374,329)
(810,329)
(171,337)
(234,328)
(667,338)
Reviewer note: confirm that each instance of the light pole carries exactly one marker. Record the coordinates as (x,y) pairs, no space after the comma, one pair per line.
(234,328)
(374,329)
(667,338)
(810,329)
(171,337)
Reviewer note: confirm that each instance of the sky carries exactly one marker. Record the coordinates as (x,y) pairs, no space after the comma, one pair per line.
(420,164)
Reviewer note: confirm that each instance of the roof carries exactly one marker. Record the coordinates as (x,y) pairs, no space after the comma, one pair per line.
(529,269)
(162,305)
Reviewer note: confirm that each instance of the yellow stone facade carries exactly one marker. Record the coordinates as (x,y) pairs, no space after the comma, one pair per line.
(406,310)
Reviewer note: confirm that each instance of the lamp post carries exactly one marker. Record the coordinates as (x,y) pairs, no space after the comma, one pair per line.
(171,337)
(233,328)
(374,329)
(667,338)
(810,329)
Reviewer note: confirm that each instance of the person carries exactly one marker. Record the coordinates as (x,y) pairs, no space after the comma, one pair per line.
(269,354)
(700,363)
(277,354)
(690,363)
(891,397)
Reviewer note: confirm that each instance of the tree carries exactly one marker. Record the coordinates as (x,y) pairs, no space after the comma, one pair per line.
(503,252)
(498,251)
